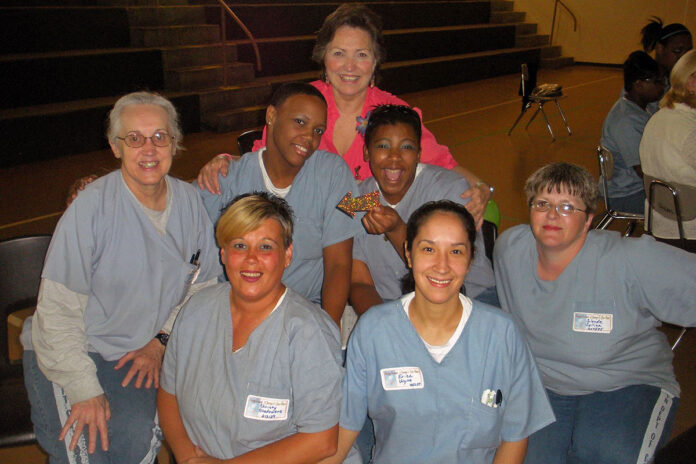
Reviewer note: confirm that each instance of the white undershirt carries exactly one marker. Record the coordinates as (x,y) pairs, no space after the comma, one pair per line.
(157,218)
(279,192)
(438,352)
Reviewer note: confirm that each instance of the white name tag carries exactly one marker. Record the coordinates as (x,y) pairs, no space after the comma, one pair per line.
(402,378)
(266,409)
(593,322)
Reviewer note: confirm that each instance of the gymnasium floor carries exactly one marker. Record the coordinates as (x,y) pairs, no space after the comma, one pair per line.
(471,118)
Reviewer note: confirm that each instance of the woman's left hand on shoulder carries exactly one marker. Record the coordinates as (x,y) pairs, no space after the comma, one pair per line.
(147,362)
(479,196)
(381,219)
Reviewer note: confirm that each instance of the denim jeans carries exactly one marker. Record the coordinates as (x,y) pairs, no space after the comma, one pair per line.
(134,436)
(622,426)
(634,203)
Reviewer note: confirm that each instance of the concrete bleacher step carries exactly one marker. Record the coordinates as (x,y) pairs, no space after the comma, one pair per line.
(498,5)
(167,36)
(503,17)
(137,2)
(203,77)
(234,96)
(238,118)
(196,55)
(141,16)
(557,62)
(525,28)
(531,40)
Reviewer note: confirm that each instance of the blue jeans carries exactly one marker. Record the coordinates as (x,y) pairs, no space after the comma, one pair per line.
(634,203)
(622,426)
(134,436)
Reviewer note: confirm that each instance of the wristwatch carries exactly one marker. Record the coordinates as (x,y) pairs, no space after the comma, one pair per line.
(163,338)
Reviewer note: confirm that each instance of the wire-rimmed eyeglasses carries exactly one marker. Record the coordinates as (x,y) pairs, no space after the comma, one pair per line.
(136,140)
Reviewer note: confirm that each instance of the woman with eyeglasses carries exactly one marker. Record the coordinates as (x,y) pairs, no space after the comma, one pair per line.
(590,304)
(123,258)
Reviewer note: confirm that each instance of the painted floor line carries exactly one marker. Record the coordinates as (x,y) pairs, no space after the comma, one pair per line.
(27,221)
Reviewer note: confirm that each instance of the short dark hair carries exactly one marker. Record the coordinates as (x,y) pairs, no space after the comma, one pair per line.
(289,89)
(421,215)
(383,115)
(654,33)
(639,66)
(353,15)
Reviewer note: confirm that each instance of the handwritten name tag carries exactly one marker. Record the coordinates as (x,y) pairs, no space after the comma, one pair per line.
(593,322)
(266,409)
(402,378)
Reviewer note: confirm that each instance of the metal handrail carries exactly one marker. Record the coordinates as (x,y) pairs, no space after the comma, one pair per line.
(224,8)
(553,22)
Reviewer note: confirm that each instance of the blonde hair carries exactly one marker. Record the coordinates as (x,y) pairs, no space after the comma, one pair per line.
(248,211)
(681,72)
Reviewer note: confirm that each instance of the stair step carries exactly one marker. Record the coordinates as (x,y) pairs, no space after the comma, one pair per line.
(498,5)
(196,55)
(142,16)
(557,62)
(239,118)
(141,2)
(552,51)
(237,96)
(531,40)
(168,36)
(504,17)
(203,77)
(525,28)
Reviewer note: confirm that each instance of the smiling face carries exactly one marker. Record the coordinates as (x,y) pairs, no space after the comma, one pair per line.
(393,153)
(439,257)
(350,61)
(254,263)
(294,130)
(554,232)
(144,167)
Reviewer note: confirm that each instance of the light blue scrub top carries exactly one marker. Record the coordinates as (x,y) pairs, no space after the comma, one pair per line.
(316,190)
(621,134)
(293,356)
(385,264)
(445,421)
(633,282)
(106,247)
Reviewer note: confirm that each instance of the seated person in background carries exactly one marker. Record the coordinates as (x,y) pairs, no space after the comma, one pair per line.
(589,304)
(444,378)
(122,259)
(265,385)
(623,129)
(392,149)
(668,146)
(669,42)
(313,182)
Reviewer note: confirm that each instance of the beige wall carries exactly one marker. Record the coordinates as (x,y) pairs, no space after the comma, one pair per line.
(608,30)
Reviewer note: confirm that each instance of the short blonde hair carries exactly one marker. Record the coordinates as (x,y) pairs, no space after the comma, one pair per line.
(248,211)
(678,93)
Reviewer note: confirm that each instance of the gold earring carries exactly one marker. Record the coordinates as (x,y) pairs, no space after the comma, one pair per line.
(372,81)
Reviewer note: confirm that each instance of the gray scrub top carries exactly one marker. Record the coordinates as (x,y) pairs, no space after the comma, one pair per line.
(594,328)
(316,190)
(385,264)
(106,247)
(285,379)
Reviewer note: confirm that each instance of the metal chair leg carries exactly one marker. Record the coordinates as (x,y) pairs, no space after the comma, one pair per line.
(605,221)
(563,117)
(524,109)
(679,338)
(532,118)
(629,229)
(548,125)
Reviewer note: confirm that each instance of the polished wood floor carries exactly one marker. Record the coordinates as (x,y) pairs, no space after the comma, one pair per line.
(472,119)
